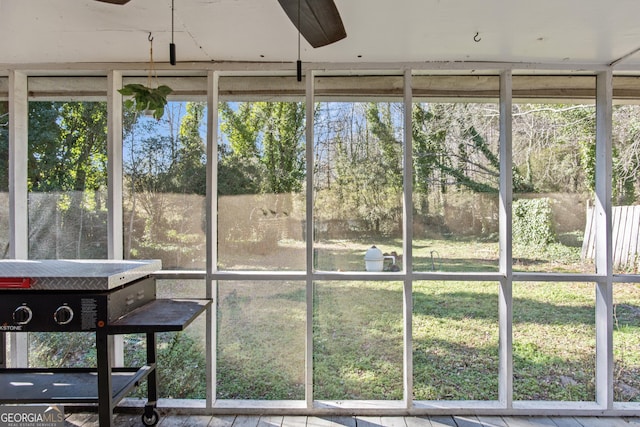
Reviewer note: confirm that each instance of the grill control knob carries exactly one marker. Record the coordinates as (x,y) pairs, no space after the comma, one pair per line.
(63,315)
(22,315)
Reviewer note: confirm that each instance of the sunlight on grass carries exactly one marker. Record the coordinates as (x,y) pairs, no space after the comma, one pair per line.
(455,341)
(554,341)
(261,336)
(358,340)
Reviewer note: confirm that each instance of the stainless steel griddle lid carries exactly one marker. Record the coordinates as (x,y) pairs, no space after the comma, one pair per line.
(80,275)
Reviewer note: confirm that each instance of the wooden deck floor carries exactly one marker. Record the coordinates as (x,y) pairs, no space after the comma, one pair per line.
(127,420)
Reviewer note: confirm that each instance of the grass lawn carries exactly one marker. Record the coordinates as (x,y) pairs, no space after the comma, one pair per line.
(358,341)
(455,340)
(358,334)
(358,331)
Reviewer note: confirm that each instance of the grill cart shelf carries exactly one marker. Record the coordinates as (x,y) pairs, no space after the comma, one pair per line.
(103,297)
(105,385)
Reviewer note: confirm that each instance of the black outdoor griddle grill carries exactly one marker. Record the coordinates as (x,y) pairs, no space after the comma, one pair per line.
(101,296)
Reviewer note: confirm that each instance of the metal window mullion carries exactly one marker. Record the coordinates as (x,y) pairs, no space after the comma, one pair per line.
(407,241)
(18,199)
(212,233)
(115,247)
(309,144)
(115,165)
(603,249)
(18,155)
(505,304)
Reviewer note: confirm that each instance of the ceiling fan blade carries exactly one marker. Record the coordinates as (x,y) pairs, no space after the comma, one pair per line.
(320,23)
(120,2)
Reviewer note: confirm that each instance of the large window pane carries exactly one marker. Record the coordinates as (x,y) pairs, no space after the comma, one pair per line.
(4,179)
(456,183)
(358,183)
(261,180)
(261,340)
(164,218)
(554,341)
(165,185)
(455,341)
(626,342)
(553,185)
(357,340)
(67,180)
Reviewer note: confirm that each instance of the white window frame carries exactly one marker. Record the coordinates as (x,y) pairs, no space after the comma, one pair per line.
(603,278)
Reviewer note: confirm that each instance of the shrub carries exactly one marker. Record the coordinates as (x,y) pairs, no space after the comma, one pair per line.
(181,359)
(62,349)
(181,364)
(533,222)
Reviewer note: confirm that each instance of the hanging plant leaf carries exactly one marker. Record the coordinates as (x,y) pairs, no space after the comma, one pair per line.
(145,98)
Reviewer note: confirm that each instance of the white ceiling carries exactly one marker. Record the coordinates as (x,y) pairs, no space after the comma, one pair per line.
(572,32)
